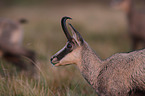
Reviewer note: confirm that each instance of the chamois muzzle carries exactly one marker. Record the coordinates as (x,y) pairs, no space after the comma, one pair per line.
(54,60)
(64,27)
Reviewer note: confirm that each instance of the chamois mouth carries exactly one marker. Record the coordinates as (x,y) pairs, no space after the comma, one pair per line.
(54,60)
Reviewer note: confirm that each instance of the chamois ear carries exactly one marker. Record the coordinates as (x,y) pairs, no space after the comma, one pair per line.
(76,35)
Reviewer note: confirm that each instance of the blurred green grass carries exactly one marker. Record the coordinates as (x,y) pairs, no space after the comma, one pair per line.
(102,27)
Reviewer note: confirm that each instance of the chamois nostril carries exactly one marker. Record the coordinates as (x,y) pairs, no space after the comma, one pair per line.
(54,60)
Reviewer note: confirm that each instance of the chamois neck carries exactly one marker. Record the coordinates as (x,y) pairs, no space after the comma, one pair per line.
(90,65)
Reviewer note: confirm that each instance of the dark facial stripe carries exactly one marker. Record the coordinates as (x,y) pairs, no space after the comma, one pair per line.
(63,53)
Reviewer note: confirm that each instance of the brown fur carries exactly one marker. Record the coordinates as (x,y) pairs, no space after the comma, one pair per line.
(11,36)
(122,74)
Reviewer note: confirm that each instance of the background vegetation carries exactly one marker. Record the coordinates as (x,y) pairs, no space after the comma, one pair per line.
(104,28)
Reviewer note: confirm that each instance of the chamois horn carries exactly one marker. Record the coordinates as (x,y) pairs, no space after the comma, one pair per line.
(64,27)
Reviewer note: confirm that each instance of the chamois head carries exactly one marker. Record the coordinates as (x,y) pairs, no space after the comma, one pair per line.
(123,5)
(70,54)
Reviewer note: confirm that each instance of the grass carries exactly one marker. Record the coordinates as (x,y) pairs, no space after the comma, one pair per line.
(102,27)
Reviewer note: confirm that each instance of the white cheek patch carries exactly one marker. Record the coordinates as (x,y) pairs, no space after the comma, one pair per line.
(68,59)
(71,58)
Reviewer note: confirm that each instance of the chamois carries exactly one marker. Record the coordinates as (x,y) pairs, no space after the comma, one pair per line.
(122,74)
(11,49)
(135,19)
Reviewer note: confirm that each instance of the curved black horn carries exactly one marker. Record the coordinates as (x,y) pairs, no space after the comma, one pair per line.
(64,27)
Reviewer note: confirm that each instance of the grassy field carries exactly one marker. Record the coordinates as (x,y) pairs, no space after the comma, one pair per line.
(103,28)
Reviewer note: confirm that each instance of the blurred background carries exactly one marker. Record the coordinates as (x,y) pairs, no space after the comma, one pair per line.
(103,27)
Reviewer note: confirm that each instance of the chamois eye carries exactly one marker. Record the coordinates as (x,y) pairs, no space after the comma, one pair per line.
(69,46)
